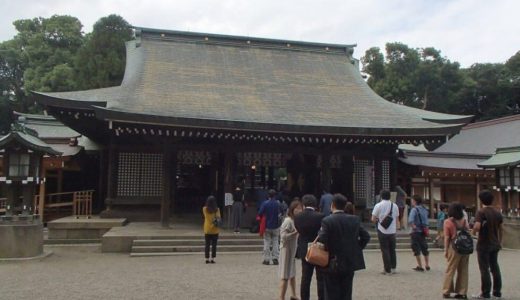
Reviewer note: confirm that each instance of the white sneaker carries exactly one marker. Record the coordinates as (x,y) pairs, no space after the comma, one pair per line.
(394,271)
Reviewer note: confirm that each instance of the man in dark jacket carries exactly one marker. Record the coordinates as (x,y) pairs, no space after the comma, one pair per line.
(308,225)
(345,239)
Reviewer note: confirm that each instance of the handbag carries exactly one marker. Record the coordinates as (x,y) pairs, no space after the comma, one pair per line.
(387,221)
(316,254)
(217,222)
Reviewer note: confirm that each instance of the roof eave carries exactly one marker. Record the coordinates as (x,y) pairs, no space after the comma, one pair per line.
(132,117)
(48,100)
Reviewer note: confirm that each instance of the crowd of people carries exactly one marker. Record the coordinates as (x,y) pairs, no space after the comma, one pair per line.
(288,230)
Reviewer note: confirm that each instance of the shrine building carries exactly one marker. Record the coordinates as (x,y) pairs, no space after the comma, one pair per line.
(199,114)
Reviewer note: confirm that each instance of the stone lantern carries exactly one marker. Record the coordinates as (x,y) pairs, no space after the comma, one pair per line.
(21,232)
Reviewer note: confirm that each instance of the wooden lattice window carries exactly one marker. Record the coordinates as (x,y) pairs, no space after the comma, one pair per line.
(19,164)
(260,159)
(364,182)
(385,174)
(140,175)
(504,176)
(516,180)
(186,157)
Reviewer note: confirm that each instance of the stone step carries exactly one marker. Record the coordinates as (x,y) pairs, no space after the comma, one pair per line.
(224,248)
(70,241)
(223,240)
(230,248)
(196,242)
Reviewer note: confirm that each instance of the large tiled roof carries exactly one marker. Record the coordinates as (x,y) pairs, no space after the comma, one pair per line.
(227,82)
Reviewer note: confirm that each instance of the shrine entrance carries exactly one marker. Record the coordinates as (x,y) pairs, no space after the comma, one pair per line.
(195,180)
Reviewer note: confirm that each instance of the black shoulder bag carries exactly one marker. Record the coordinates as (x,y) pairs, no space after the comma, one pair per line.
(387,221)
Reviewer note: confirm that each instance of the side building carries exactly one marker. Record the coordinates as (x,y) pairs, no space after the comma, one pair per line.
(453,172)
(75,169)
(200,114)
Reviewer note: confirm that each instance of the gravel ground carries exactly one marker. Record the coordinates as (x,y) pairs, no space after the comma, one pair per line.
(82,272)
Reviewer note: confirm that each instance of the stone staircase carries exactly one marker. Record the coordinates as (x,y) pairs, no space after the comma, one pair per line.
(229,243)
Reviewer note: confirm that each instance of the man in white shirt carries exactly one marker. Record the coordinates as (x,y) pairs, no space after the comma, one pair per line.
(386,236)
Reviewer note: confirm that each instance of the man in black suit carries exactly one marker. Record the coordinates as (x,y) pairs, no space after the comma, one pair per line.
(308,224)
(345,239)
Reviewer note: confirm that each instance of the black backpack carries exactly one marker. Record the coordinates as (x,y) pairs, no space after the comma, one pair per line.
(463,242)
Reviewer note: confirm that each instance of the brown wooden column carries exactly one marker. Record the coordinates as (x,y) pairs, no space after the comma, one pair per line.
(112,175)
(228,172)
(326,174)
(41,193)
(430,195)
(477,199)
(167,184)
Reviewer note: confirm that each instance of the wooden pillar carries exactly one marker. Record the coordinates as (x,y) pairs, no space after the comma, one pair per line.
(41,193)
(112,174)
(378,175)
(228,172)
(167,182)
(430,195)
(477,199)
(326,172)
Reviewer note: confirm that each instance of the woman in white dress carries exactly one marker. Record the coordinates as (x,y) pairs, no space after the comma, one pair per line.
(288,243)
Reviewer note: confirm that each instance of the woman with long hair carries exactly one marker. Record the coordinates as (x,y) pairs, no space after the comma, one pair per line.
(212,221)
(456,263)
(288,244)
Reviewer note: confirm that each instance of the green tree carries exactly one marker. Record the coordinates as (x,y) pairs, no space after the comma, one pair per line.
(374,65)
(11,81)
(47,44)
(101,62)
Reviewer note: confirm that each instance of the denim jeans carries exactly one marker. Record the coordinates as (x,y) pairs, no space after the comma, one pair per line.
(488,261)
(271,247)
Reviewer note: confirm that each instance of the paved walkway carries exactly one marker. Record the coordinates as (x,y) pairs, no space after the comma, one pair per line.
(82,272)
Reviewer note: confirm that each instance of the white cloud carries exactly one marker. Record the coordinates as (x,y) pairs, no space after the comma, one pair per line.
(467,31)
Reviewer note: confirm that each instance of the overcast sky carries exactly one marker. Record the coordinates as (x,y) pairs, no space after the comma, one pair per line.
(467,31)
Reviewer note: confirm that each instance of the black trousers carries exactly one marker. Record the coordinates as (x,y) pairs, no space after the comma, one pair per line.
(211,239)
(488,261)
(387,245)
(419,244)
(338,286)
(305,286)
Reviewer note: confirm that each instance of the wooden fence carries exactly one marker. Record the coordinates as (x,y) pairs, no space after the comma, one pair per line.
(77,203)
(3,203)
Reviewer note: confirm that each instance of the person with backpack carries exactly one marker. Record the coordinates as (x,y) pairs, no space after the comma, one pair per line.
(418,221)
(458,245)
(488,226)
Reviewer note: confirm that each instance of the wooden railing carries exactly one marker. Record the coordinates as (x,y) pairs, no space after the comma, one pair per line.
(78,203)
(3,203)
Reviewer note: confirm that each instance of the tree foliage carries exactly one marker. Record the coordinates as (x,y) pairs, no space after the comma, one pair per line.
(53,55)
(425,79)
(101,62)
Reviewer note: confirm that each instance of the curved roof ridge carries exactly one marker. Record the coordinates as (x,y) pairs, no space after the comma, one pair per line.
(492,122)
